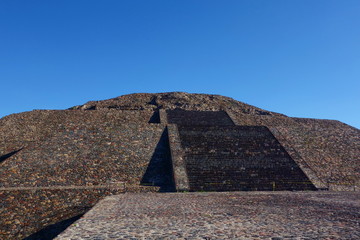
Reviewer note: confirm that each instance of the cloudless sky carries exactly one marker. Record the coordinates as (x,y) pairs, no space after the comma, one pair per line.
(299,57)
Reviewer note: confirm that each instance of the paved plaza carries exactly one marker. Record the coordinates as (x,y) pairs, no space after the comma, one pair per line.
(226,215)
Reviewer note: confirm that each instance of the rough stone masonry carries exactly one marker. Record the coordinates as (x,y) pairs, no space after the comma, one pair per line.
(57,164)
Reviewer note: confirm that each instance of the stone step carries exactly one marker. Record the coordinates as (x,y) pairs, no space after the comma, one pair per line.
(233,158)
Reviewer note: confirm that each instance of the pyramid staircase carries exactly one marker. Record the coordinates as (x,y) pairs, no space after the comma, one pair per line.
(211,153)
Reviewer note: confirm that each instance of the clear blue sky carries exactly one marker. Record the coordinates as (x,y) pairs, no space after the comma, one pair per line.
(299,57)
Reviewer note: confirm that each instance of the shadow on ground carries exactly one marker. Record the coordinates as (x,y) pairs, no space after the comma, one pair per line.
(51,231)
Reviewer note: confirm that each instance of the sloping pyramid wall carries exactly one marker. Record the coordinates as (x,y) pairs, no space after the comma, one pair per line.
(232,158)
(116,145)
(68,161)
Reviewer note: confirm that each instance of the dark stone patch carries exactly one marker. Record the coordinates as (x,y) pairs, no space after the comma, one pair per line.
(153,101)
(183,117)
(51,231)
(155,118)
(6,156)
(159,171)
(91,108)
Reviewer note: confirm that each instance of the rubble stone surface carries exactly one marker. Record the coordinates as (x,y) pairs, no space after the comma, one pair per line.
(227,215)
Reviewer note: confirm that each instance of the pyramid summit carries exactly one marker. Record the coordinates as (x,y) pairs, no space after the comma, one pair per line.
(56,164)
(170,100)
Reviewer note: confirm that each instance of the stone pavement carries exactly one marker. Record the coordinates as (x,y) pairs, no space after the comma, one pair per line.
(226,215)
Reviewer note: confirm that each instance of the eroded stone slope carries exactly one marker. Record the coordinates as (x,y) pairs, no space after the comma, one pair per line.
(116,140)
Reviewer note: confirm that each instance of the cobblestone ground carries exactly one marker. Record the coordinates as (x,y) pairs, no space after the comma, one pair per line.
(231,215)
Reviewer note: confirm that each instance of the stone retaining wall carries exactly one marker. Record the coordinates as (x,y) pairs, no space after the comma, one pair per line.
(25,212)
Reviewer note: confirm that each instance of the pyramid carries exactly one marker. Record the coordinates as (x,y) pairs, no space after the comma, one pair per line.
(56,164)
